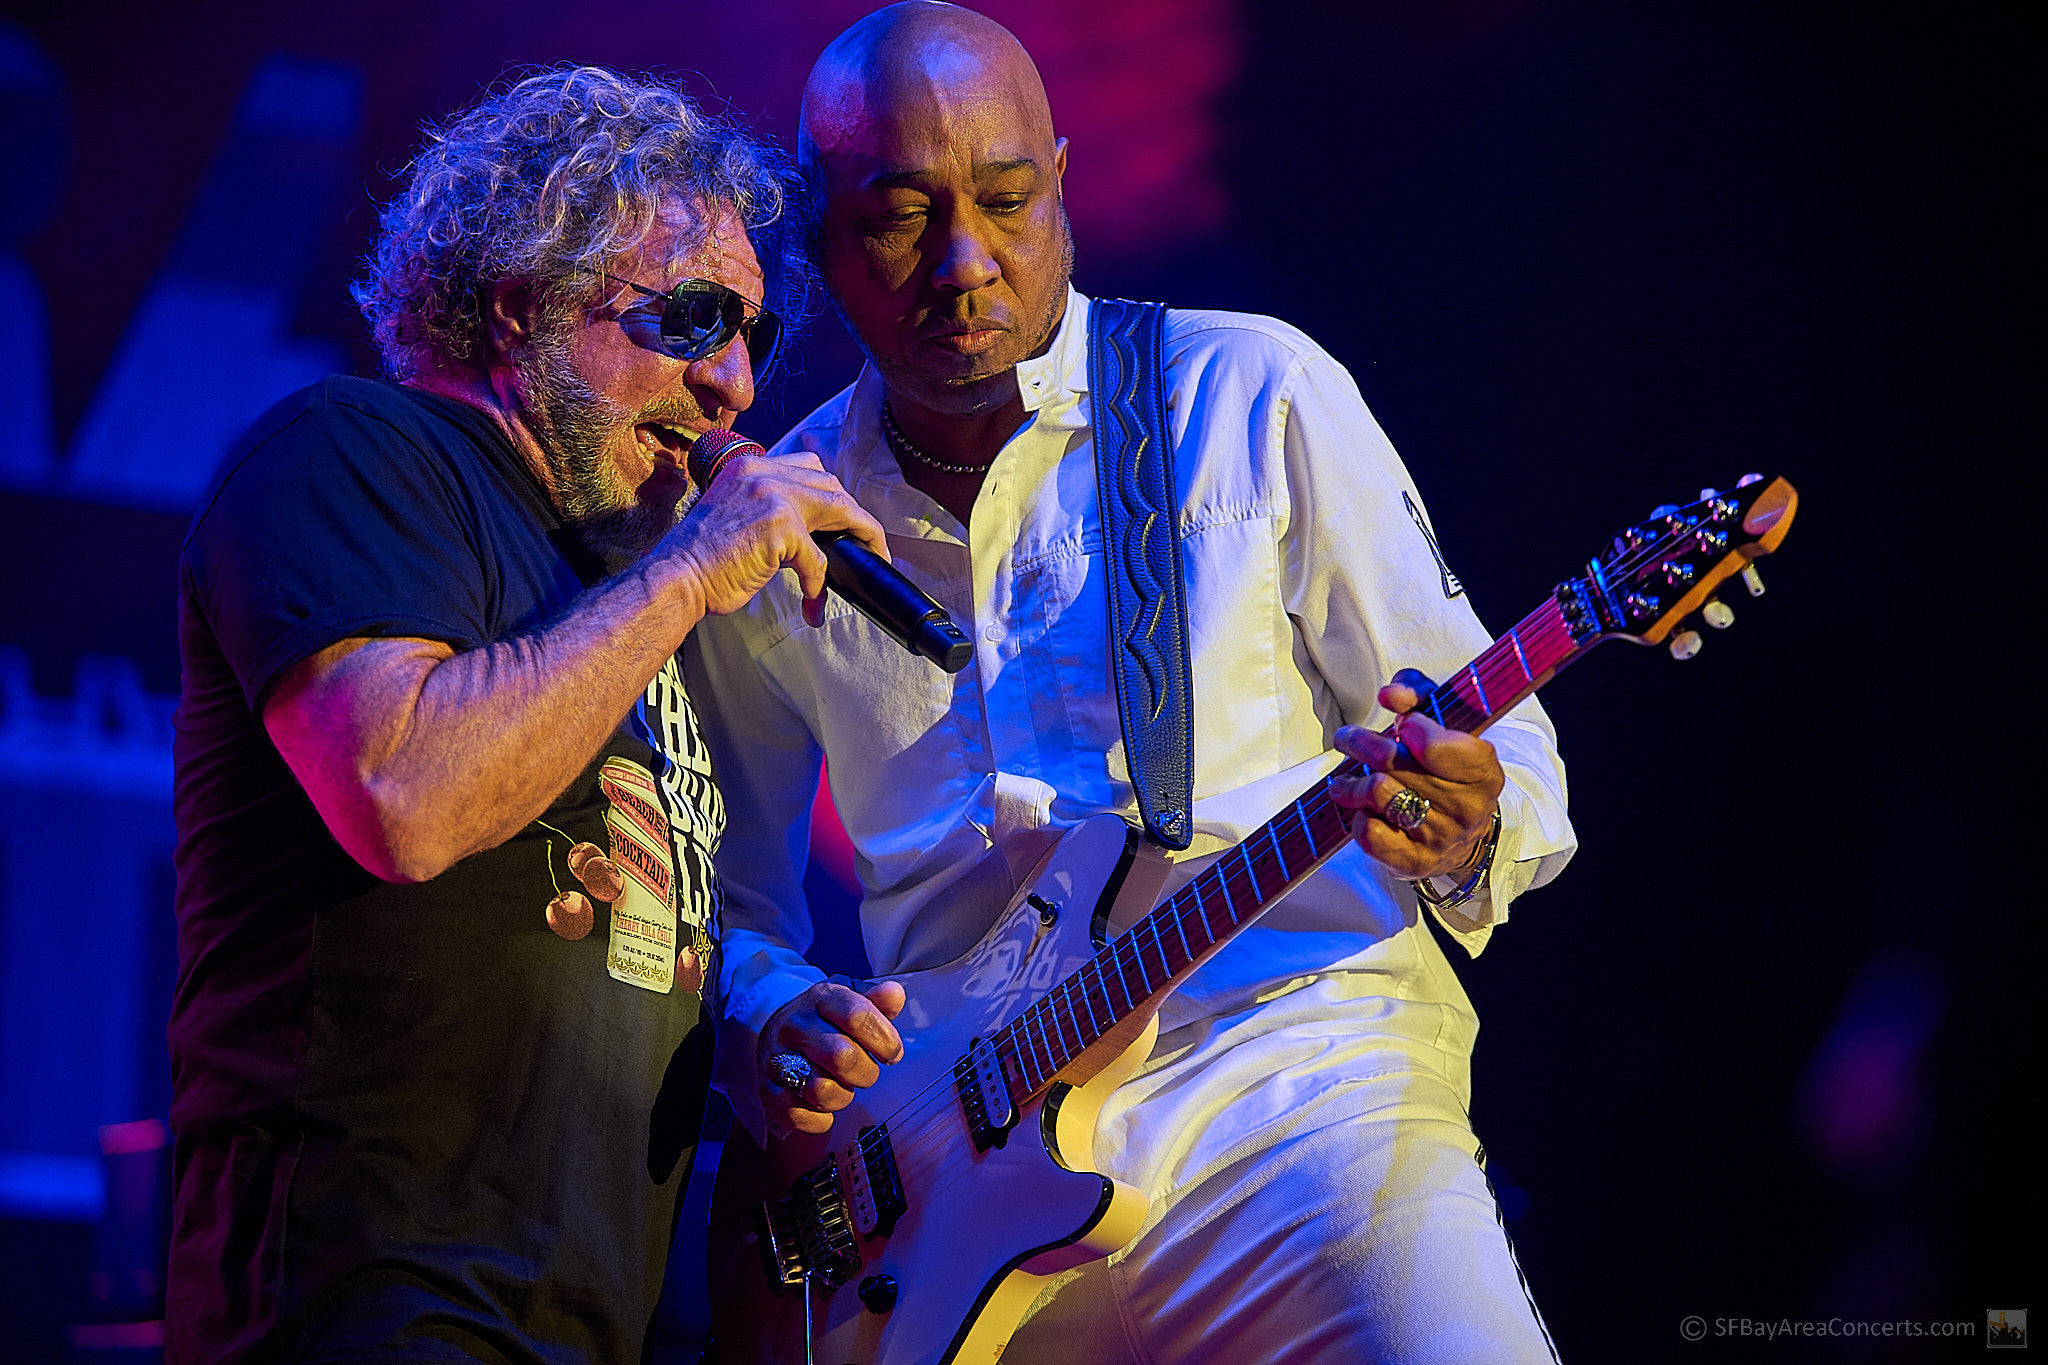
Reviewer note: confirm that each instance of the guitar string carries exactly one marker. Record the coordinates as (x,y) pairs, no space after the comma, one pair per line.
(1626,565)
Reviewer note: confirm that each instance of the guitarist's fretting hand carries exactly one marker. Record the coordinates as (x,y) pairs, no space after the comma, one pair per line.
(1458,773)
(844,1034)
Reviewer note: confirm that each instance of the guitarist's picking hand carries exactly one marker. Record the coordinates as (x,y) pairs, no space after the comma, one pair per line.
(1457,773)
(846,1037)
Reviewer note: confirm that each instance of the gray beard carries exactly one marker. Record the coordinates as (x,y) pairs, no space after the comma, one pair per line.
(573,423)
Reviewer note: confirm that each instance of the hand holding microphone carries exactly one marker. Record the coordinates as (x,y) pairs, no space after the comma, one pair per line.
(868,582)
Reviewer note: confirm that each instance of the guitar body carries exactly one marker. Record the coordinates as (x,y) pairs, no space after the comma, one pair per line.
(982,1230)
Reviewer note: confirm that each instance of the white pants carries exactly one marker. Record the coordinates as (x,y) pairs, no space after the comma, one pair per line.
(1316,1193)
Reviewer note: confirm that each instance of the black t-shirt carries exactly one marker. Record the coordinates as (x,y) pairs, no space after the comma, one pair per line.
(416,1122)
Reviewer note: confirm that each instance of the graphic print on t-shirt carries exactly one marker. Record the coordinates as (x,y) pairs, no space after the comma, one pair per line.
(643,937)
(695,808)
(663,832)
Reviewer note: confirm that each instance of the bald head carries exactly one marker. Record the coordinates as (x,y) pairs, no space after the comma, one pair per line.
(895,62)
(928,147)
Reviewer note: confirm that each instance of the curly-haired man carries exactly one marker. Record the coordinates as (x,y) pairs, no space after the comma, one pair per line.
(445,822)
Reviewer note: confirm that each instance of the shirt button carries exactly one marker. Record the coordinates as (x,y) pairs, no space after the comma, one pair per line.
(992,633)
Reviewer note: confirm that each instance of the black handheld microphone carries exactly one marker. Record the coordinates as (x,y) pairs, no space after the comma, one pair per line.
(870,583)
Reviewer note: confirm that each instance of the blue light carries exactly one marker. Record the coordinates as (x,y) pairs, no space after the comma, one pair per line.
(67,1189)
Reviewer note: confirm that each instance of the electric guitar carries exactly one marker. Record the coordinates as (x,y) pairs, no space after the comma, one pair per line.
(919,1230)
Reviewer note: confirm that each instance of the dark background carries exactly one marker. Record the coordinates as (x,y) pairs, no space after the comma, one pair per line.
(1767,1049)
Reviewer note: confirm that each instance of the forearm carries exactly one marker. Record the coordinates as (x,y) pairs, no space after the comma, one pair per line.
(417,756)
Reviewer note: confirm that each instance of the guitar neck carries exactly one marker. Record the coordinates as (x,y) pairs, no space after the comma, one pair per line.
(1161,950)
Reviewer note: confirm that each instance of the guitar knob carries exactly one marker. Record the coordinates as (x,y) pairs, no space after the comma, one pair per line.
(1685,644)
(1752,580)
(877,1293)
(1717,614)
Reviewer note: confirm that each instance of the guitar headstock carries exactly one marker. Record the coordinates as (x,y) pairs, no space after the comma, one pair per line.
(1658,572)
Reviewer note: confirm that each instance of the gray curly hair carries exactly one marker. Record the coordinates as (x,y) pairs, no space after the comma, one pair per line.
(549,181)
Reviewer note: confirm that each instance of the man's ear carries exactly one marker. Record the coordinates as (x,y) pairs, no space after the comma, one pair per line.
(511,316)
(1059,160)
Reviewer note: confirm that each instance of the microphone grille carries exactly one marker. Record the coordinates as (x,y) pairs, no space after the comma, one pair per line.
(709,453)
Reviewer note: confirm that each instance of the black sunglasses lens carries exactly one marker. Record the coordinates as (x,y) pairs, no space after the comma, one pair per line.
(694,324)
(701,317)
(762,339)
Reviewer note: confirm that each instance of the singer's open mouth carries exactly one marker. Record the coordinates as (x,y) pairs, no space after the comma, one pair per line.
(667,442)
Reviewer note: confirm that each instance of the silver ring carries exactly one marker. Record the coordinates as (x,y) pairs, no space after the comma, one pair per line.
(1406,811)
(791,1070)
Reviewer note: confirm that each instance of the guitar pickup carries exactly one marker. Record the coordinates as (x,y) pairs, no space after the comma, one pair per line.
(985,1095)
(873,1186)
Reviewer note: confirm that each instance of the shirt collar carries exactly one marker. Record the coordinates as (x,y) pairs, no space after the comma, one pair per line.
(1051,386)
(1062,372)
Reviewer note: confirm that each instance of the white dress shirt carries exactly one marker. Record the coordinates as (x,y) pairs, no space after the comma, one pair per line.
(1310,581)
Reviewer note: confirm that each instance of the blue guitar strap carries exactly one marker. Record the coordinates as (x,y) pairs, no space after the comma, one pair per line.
(1148,610)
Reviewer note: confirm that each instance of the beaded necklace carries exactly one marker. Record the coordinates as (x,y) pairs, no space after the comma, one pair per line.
(900,443)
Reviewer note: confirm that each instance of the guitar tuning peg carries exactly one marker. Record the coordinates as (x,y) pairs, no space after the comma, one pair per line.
(1717,614)
(1747,479)
(1685,644)
(1663,509)
(1706,493)
(1752,580)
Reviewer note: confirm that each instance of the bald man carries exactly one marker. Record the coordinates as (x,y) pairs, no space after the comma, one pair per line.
(1300,1129)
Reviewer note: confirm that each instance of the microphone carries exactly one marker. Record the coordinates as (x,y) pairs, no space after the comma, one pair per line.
(868,582)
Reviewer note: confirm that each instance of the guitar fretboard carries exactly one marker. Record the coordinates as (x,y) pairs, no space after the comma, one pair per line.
(1159,949)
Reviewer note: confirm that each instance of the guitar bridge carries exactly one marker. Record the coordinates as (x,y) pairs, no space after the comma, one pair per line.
(854,1193)
(775,1236)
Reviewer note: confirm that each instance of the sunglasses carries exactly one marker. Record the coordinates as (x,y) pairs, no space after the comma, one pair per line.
(700,318)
